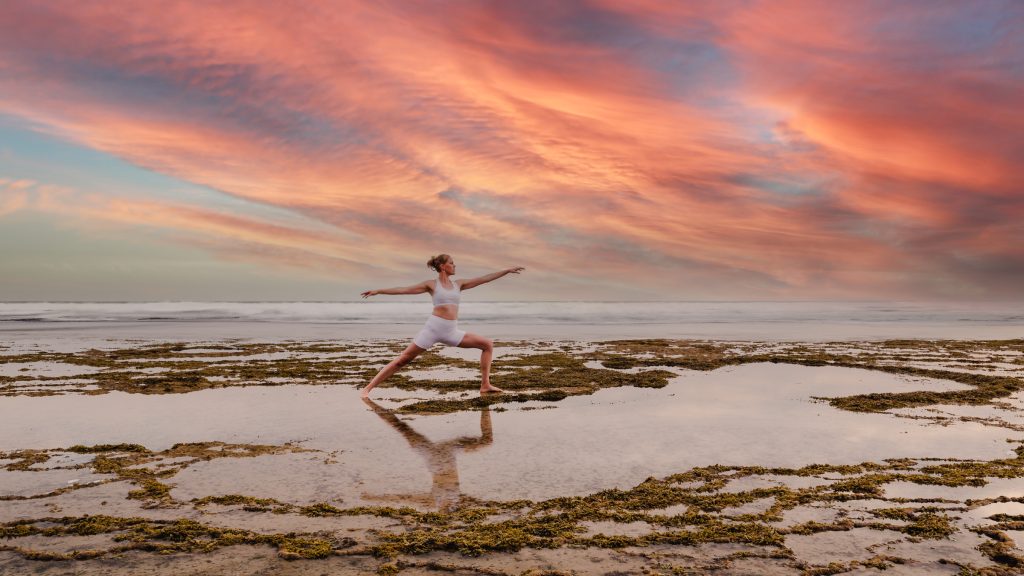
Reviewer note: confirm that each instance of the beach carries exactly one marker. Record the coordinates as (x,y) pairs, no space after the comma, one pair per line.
(622,445)
(751,274)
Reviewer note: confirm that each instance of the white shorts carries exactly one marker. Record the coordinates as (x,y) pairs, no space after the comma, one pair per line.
(439,329)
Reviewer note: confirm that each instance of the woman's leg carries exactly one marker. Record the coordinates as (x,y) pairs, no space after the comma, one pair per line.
(487,347)
(407,355)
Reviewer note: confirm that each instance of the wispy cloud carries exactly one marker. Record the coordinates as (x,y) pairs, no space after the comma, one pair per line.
(752,149)
(13,195)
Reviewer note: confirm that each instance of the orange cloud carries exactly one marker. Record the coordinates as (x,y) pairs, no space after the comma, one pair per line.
(885,96)
(13,196)
(778,148)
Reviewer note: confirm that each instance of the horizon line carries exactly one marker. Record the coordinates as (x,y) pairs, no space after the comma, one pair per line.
(794,300)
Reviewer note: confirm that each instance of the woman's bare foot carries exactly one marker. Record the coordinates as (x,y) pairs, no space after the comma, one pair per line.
(489,388)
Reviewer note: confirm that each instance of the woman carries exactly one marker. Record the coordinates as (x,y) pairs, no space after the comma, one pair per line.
(443,325)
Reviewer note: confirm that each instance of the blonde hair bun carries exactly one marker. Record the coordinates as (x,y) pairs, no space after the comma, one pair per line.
(435,262)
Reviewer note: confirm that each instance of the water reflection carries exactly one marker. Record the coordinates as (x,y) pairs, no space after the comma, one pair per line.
(755,414)
(440,458)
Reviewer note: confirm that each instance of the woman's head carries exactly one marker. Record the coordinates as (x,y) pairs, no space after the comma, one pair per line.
(438,262)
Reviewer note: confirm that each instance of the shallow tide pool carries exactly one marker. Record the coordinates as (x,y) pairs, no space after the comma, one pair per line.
(761,414)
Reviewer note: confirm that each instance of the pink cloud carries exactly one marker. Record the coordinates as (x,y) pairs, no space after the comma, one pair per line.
(812,154)
(11,199)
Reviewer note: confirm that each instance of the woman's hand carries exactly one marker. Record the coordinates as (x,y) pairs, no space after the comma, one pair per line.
(515,270)
(369,293)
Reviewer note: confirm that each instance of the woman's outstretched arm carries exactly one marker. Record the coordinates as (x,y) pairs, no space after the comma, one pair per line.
(414,289)
(467,284)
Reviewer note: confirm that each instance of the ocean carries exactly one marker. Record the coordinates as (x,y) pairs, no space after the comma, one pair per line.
(813,321)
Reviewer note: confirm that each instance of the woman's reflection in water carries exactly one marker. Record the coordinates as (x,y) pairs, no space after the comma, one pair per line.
(439,456)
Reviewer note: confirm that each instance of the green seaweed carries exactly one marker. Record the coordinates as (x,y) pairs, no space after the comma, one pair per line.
(164,536)
(1000,548)
(478,527)
(248,503)
(445,406)
(24,459)
(560,367)
(140,466)
(78,448)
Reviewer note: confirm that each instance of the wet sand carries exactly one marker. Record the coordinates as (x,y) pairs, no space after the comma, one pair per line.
(604,457)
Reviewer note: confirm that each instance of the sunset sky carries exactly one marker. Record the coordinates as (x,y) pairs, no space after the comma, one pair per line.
(634,150)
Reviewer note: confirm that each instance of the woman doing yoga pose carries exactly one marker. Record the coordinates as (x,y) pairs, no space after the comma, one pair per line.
(443,323)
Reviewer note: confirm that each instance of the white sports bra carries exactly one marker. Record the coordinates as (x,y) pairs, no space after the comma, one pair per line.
(444,296)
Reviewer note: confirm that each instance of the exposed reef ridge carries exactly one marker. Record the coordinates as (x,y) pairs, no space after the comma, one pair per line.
(550,372)
(699,506)
(128,503)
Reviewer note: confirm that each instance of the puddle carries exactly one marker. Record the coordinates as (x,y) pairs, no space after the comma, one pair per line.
(843,546)
(446,373)
(152,370)
(754,482)
(758,506)
(617,528)
(980,515)
(1008,487)
(107,498)
(49,369)
(19,483)
(63,460)
(615,438)
(961,546)
(1007,412)
(262,475)
(805,514)
(364,454)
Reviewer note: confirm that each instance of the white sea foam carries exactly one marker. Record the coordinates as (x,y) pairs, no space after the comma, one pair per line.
(575,320)
(516,312)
